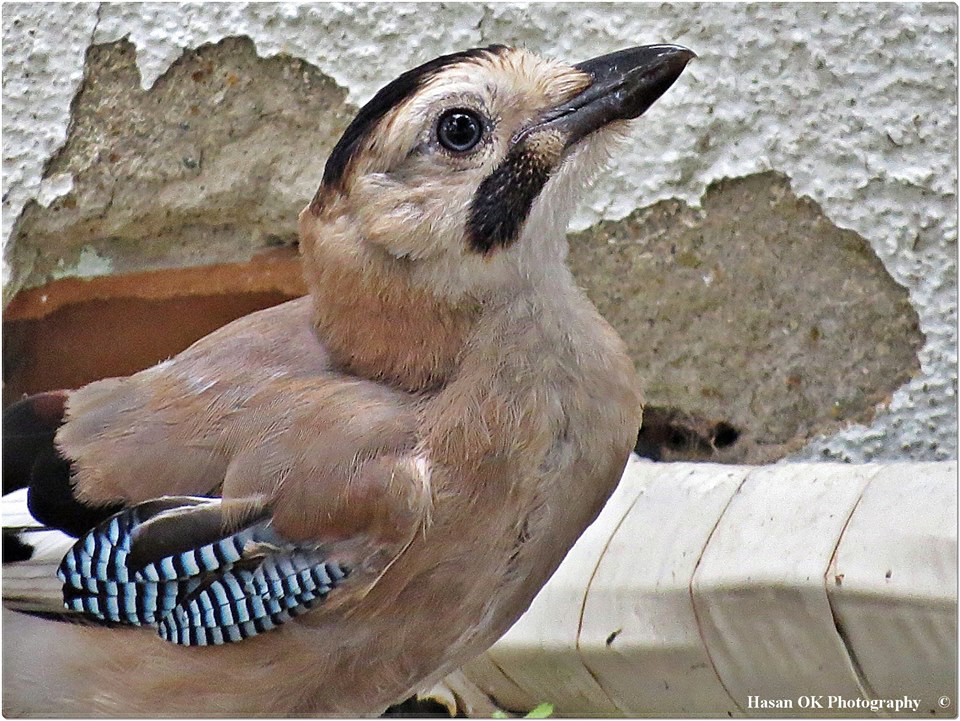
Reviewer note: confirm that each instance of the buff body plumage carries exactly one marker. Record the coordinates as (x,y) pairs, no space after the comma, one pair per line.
(427,433)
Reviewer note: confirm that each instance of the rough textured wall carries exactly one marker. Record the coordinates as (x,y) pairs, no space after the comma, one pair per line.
(798,183)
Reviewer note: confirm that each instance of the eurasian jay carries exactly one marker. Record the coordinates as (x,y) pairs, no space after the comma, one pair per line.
(327,505)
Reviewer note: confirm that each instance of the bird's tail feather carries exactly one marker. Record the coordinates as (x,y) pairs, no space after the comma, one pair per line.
(31,555)
(32,460)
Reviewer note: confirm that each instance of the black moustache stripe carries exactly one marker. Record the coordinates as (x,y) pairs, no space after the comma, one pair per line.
(502,202)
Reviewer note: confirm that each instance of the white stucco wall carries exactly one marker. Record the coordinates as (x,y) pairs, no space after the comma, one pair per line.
(855,103)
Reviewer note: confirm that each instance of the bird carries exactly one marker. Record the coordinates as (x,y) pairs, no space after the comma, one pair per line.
(328,505)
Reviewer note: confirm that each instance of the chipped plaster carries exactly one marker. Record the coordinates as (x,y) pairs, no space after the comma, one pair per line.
(856,104)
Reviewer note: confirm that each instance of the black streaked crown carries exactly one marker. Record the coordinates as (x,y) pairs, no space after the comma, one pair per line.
(386,99)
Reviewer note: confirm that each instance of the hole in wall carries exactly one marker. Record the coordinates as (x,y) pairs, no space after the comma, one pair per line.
(724,435)
(672,434)
(415,707)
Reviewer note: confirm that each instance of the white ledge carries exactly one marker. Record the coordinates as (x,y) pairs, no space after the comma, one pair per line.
(713,590)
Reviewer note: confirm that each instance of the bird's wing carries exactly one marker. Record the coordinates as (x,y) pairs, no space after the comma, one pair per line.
(302,472)
(172,429)
(332,489)
(200,571)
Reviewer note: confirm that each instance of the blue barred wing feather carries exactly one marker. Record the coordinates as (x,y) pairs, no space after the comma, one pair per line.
(202,570)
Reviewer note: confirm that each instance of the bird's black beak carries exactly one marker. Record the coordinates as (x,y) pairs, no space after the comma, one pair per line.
(625,84)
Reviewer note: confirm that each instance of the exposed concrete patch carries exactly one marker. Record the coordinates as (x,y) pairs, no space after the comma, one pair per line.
(210,165)
(755,310)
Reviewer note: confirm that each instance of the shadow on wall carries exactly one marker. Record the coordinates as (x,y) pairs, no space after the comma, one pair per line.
(755,322)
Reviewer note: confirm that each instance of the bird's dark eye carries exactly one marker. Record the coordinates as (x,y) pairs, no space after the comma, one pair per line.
(459,130)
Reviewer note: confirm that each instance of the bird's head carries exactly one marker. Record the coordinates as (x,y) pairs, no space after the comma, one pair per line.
(462,173)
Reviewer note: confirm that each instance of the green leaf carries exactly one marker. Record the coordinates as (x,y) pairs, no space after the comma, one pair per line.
(543,710)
